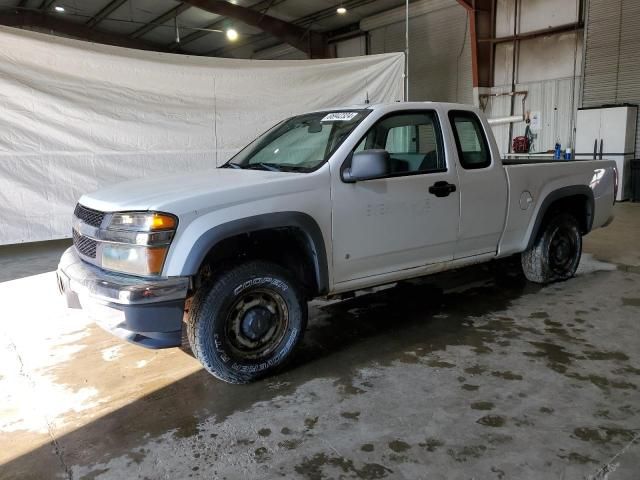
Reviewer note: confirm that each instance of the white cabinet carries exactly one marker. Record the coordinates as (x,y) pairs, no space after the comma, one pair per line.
(609,133)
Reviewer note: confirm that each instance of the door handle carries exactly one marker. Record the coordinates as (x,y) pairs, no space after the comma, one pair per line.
(595,149)
(442,189)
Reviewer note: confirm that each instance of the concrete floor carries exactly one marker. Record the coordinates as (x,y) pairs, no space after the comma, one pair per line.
(484,377)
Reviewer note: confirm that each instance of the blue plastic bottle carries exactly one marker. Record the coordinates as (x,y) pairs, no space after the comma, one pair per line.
(558,152)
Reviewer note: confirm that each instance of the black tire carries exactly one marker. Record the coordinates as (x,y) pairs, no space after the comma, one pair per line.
(556,253)
(245,324)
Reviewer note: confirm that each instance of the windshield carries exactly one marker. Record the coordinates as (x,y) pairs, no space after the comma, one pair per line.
(299,144)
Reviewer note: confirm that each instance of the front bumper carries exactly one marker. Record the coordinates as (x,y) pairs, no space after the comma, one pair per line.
(147,312)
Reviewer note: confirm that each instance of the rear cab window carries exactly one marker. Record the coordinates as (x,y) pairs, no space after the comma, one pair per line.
(471,141)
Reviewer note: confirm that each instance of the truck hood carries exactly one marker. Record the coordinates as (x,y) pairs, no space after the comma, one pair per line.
(185,192)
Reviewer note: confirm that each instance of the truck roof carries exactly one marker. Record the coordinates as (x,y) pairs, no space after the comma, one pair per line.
(396,106)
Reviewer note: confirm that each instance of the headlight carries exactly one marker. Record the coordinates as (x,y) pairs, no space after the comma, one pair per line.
(133,259)
(137,242)
(142,221)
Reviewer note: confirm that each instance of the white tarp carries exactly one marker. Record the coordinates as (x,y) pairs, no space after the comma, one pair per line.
(76,116)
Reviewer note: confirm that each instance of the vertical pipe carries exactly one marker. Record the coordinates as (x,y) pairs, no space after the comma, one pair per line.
(513,71)
(406,51)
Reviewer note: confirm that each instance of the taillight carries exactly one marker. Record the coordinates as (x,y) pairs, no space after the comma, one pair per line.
(615,184)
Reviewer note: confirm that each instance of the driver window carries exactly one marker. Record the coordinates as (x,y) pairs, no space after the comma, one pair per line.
(413,141)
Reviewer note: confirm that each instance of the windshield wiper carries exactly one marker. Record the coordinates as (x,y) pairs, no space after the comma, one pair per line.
(231,165)
(272,167)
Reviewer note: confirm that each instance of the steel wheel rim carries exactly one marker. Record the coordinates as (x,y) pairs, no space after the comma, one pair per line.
(251,342)
(563,247)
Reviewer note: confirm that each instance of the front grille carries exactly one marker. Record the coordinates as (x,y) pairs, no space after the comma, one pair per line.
(85,245)
(88,215)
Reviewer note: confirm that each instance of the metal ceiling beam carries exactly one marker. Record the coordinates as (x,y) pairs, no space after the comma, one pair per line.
(159,20)
(314,44)
(72,29)
(568,27)
(107,10)
(481,25)
(306,21)
(219,23)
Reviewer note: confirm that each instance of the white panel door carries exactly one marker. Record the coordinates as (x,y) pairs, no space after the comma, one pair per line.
(587,132)
(613,129)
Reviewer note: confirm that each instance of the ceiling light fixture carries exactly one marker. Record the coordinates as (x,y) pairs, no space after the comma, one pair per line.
(232,34)
(341,10)
(59,9)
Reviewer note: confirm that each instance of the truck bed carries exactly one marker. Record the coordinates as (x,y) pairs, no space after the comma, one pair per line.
(536,180)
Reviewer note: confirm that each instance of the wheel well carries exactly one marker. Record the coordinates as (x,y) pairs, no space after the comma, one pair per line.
(576,205)
(286,246)
(579,204)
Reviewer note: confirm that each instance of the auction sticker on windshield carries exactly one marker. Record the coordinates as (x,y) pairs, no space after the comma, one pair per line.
(339,117)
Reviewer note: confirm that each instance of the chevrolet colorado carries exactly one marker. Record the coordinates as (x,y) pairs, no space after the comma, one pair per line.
(322,204)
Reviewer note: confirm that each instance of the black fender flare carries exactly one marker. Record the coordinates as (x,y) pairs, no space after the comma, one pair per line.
(559,194)
(303,222)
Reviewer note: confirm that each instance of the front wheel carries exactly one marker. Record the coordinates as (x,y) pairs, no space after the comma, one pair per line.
(247,322)
(556,253)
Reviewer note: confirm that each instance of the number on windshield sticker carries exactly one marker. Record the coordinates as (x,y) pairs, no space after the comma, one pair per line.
(339,117)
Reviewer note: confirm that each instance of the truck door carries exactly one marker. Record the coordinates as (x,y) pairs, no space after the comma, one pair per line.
(483,185)
(408,219)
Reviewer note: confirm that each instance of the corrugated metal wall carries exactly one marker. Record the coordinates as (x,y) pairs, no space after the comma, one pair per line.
(439,48)
(552,99)
(548,68)
(612,55)
(352,47)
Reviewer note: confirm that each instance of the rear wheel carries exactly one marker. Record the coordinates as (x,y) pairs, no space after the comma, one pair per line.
(247,322)
(556,253)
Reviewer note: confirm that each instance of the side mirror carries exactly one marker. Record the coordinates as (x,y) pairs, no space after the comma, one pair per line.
(367,165)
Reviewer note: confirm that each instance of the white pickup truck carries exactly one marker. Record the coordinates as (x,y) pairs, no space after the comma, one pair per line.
(322,204)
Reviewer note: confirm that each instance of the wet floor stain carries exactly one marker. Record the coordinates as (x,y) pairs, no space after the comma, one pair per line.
(604,435)
(579,459)
(290,444)
(310,423)
(606,356)
(399,327)
(603,383)
(557,357)
(188,428)
(627,369)
(492,421)
(482,406)
(507,375)
(261,455)
(313,468)
(399,446)
(350,415)
(440,364)
(631,302)
(470,388)
(463,454)
(431,444)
